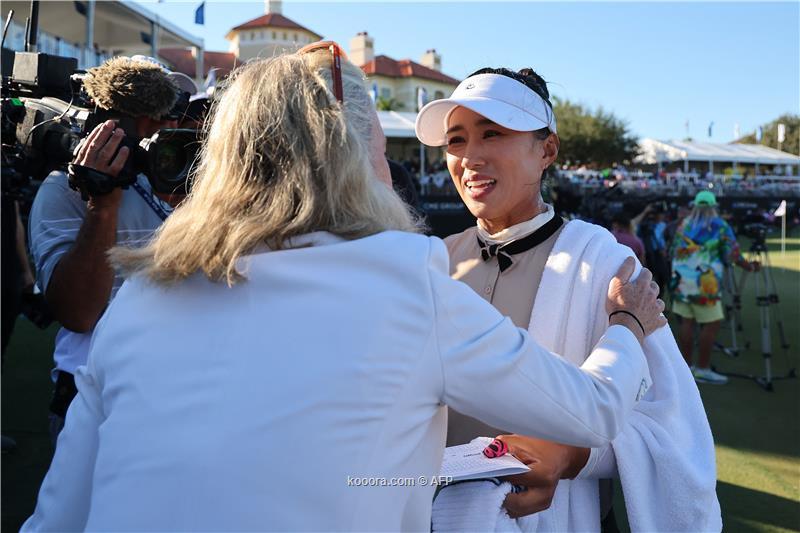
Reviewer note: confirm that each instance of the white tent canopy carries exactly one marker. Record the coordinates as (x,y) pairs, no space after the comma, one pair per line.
(398,124)
(654,152)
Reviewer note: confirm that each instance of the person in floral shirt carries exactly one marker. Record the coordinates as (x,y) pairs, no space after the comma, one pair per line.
(703,245)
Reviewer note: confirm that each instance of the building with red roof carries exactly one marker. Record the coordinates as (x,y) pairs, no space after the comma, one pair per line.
(185,60)
(398,82)
(270,34)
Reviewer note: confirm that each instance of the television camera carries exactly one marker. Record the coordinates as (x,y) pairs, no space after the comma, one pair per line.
(45,114)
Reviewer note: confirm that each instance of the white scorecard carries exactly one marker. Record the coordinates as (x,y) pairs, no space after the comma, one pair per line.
(467,461)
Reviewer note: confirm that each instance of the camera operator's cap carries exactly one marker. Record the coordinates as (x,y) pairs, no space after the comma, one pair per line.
(705,198)
(501,99)
(184,82)
(181,80)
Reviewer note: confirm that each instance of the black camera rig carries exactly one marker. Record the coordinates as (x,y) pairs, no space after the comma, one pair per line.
(45,114)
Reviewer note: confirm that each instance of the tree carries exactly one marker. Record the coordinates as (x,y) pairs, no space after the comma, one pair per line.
(388,104)
(770,138)
(592,138)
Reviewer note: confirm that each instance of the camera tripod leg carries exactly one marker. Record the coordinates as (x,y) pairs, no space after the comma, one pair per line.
(767,301)
(774,300)
(732,306)
(763,301)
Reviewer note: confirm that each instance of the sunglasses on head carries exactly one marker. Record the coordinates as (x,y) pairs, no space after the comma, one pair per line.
(336,63)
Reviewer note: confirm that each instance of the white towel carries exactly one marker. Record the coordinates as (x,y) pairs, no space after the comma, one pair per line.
(472,506)
(665,454)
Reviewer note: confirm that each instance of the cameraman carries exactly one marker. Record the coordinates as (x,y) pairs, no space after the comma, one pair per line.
(69,237)
(704,244)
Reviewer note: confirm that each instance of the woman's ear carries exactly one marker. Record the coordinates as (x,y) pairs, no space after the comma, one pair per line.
(550,149)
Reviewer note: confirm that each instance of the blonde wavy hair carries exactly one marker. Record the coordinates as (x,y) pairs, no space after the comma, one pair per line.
(701,216)
(282,157)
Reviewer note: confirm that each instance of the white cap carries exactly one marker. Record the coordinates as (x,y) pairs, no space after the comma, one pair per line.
(501,99)
(181,80)
(184,82)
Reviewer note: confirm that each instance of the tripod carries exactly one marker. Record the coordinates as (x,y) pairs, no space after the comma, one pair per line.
(732,301)
(766,300)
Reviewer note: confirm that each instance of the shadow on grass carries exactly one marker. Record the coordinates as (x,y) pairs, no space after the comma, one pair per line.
(26,393)
(760,507)
(742,414)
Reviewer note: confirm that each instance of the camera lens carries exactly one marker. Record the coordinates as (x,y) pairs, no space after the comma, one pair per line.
(171,159)
(171,164)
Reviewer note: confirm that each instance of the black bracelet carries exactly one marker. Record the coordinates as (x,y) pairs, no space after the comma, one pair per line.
(631,315)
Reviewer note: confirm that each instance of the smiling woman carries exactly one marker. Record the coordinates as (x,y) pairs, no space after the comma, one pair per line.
(497,149)
(496,170)
(550,276)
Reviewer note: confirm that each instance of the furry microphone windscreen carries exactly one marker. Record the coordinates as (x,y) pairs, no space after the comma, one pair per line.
(135,88)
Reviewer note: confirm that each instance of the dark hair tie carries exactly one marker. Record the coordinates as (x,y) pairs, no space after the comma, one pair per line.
(631,315)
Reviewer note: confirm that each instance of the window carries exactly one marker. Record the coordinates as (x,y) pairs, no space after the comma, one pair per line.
(274,35)
(386,93)
(438,95)
(294,37)
(285,36)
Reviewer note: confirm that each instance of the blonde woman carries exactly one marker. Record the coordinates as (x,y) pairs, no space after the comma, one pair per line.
(287,342)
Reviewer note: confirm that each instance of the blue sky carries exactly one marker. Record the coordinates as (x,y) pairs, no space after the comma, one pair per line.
(656,65)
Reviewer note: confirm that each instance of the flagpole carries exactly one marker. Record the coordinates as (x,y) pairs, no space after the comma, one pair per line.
(783,236)
(781,212)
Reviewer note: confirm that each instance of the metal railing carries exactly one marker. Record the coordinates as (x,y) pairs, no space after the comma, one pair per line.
(55,45)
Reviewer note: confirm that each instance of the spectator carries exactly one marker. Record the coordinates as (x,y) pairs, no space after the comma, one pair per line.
(404,185)
(17,277)
(703,246)
(650,229)
(622,229)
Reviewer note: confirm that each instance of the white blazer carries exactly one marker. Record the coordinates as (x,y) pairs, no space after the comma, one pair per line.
(205,407)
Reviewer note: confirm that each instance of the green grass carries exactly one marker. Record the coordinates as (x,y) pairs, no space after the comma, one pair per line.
(757,433)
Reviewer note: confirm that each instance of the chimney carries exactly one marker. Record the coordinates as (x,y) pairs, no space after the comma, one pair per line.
(273,6)
(362,49)
(432,60)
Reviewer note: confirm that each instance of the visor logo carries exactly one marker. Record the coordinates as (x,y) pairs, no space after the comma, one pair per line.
(470,86)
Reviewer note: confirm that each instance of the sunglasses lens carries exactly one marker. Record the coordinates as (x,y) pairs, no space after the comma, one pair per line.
(336,63)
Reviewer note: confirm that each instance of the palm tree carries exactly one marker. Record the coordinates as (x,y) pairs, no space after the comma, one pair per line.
(388,104)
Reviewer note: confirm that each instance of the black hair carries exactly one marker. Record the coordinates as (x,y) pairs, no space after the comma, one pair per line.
(621,218)
(404,185)
(529,78)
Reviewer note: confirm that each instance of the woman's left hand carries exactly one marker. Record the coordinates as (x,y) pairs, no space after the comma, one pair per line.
(549,462)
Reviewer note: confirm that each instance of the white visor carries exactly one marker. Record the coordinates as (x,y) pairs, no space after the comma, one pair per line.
(501,99)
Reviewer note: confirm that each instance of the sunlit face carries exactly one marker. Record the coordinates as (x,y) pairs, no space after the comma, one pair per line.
(497,171)
(377,152)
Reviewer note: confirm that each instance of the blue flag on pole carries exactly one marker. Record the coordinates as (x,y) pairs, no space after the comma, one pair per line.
(711,129)
(200,14)
(422,98)
(373,93)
